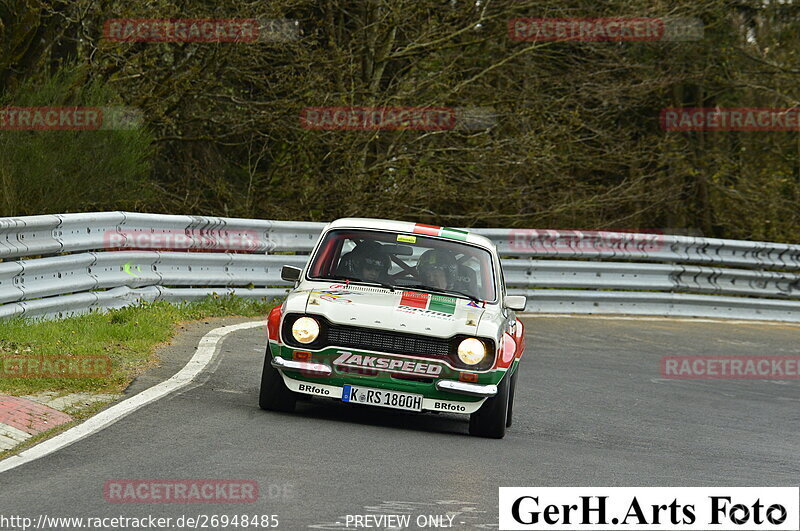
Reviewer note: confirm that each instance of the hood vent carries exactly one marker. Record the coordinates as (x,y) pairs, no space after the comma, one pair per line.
(368,289)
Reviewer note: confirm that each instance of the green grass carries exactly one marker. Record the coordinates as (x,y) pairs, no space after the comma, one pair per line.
(128,336)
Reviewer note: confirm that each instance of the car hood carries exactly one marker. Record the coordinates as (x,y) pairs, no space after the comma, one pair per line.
(408,311)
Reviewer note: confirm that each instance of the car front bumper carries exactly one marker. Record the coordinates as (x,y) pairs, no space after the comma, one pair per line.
(317,371)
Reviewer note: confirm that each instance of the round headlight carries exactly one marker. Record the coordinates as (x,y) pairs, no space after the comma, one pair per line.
(305,330)
(471,351)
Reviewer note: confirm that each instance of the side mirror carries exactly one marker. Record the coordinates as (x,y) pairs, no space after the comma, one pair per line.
(516,302)
(290,273)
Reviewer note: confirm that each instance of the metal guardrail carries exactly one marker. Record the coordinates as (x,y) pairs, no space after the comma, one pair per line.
(651,277)
(69,233)
(643,247)
(50,266)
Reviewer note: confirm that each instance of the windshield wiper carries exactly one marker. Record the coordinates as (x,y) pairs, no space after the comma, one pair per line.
(473,298)
(360,281)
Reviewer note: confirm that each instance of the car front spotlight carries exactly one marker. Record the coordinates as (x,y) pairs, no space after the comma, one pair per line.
(305,330)
(471,351)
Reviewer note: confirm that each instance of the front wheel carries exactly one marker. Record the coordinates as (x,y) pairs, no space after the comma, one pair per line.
(274,396)
(511,393)
(490,419)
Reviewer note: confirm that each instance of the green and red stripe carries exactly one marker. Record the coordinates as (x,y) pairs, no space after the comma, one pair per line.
(444,232)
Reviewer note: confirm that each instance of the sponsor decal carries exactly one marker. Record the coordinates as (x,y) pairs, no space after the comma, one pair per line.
(636,508)
(309,388)
(449,406)
(414,299)
(440,304)
(343,289)
(730,119)
(405,238)
(338,289)
(426,313)
(334,292)
(332,296)
(348,359)
(472,319)
(444,232)
(731,367)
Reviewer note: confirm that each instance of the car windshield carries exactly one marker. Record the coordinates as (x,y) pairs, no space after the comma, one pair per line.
(404,260)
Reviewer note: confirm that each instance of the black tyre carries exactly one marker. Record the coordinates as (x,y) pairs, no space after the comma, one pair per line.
(274,396)
(490,419)
(511,391)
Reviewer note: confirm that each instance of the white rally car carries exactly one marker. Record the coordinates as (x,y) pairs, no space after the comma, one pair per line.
(400,315)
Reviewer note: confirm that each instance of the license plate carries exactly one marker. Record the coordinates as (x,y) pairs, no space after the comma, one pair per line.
(381,397)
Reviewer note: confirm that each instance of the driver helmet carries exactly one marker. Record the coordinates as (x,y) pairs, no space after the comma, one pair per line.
(370,261)
(438,268)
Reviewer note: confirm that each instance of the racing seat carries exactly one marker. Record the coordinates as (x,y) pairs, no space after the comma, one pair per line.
(346,265)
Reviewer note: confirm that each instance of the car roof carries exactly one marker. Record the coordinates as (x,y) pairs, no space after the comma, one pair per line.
(413,228)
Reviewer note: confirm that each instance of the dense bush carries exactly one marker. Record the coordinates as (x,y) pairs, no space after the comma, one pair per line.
(576,143)
(60,171)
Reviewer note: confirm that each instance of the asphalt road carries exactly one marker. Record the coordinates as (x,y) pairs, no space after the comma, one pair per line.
(591,410)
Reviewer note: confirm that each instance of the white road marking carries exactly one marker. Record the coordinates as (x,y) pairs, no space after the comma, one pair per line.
(202,356)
